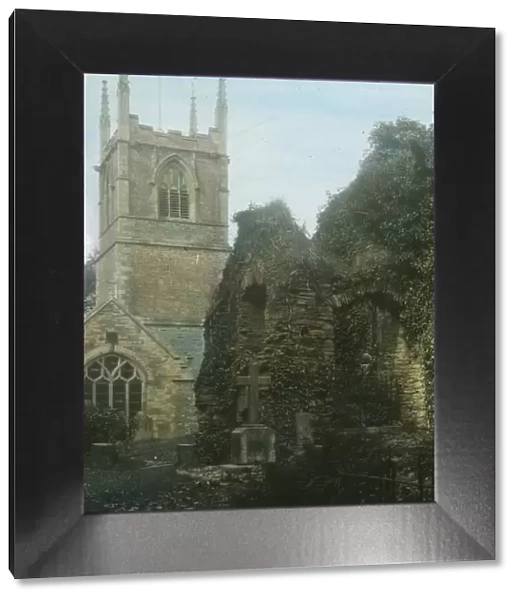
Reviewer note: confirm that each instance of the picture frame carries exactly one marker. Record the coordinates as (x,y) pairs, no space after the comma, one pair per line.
(50,53)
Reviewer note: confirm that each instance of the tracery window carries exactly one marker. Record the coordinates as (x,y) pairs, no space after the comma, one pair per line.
(113,382)
(173,194)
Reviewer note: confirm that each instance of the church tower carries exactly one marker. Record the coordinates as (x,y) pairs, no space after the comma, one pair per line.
(163,213)
(163,241)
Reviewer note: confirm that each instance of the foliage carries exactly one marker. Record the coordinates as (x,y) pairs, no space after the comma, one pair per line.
(373,249)
(213,445)
(107,426)
(378,232)
(273,251)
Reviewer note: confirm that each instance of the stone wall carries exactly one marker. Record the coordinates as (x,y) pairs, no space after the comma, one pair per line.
(168,378)
(292,339)
(166,268)
(399,365)
(106,276)
(297,352)
(161,272)
(207,170)
(170,282)
(376,370)
(272,306)
(107,181)
(129,228)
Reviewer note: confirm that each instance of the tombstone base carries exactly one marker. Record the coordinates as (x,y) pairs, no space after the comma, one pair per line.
(253,444)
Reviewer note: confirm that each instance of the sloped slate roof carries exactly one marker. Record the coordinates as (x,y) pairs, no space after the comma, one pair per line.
(169,348)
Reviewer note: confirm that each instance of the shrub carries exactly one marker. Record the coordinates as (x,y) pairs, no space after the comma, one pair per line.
(107,426)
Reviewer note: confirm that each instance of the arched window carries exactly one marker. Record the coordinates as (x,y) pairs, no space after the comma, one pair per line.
(173,194)
(113,382)
(252,316)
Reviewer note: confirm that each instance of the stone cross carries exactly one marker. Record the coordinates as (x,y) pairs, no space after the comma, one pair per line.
(253,381)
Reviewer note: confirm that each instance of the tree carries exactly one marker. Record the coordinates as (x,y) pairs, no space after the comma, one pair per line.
(379,230)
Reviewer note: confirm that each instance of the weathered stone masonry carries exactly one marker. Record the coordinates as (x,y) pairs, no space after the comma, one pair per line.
(163,216)
(272,306)
(278,304)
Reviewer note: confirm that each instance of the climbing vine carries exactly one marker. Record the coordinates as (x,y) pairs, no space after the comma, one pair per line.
(378,232)
(372,254)
(271,250)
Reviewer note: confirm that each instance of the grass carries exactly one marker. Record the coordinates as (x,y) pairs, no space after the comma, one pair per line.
(128,487)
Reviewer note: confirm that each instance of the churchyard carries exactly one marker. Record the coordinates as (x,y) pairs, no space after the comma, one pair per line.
(286,368)
(365,465)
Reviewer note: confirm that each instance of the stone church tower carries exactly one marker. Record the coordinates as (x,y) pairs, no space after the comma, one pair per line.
(163,243)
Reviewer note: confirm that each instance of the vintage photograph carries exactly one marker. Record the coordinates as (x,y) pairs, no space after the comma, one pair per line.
(258,293)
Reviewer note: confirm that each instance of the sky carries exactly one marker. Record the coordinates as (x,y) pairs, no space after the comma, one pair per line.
(290,139)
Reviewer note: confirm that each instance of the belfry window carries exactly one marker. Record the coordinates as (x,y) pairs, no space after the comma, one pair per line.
(113,382)
(173,194)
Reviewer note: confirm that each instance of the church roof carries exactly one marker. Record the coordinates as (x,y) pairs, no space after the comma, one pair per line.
(187,340)
(167,347)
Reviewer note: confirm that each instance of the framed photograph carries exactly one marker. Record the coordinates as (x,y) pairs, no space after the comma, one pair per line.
(253,294)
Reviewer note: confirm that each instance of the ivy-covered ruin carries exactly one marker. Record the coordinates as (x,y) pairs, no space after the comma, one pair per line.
(340,323)
(344,360)
(273,304)
(336,330)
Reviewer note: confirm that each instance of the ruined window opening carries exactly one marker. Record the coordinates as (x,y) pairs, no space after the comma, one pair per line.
(114,382)
(174,195)
(254,303)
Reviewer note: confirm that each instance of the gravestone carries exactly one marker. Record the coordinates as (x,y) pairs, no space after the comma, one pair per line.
(186,455)
(304,431)
(253,443)
(144,427)
(103,456)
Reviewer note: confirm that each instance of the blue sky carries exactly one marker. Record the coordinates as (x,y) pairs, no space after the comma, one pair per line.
(288,139)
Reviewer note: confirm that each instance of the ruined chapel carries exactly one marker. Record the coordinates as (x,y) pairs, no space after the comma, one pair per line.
(329,363)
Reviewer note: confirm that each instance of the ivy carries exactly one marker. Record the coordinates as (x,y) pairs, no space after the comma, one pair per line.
(378,232)
(276,250)
(374,249)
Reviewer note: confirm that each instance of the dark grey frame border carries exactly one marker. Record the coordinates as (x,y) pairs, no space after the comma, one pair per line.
(49,535)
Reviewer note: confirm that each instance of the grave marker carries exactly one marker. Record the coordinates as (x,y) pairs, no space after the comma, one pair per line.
(253,381)
(253,443)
